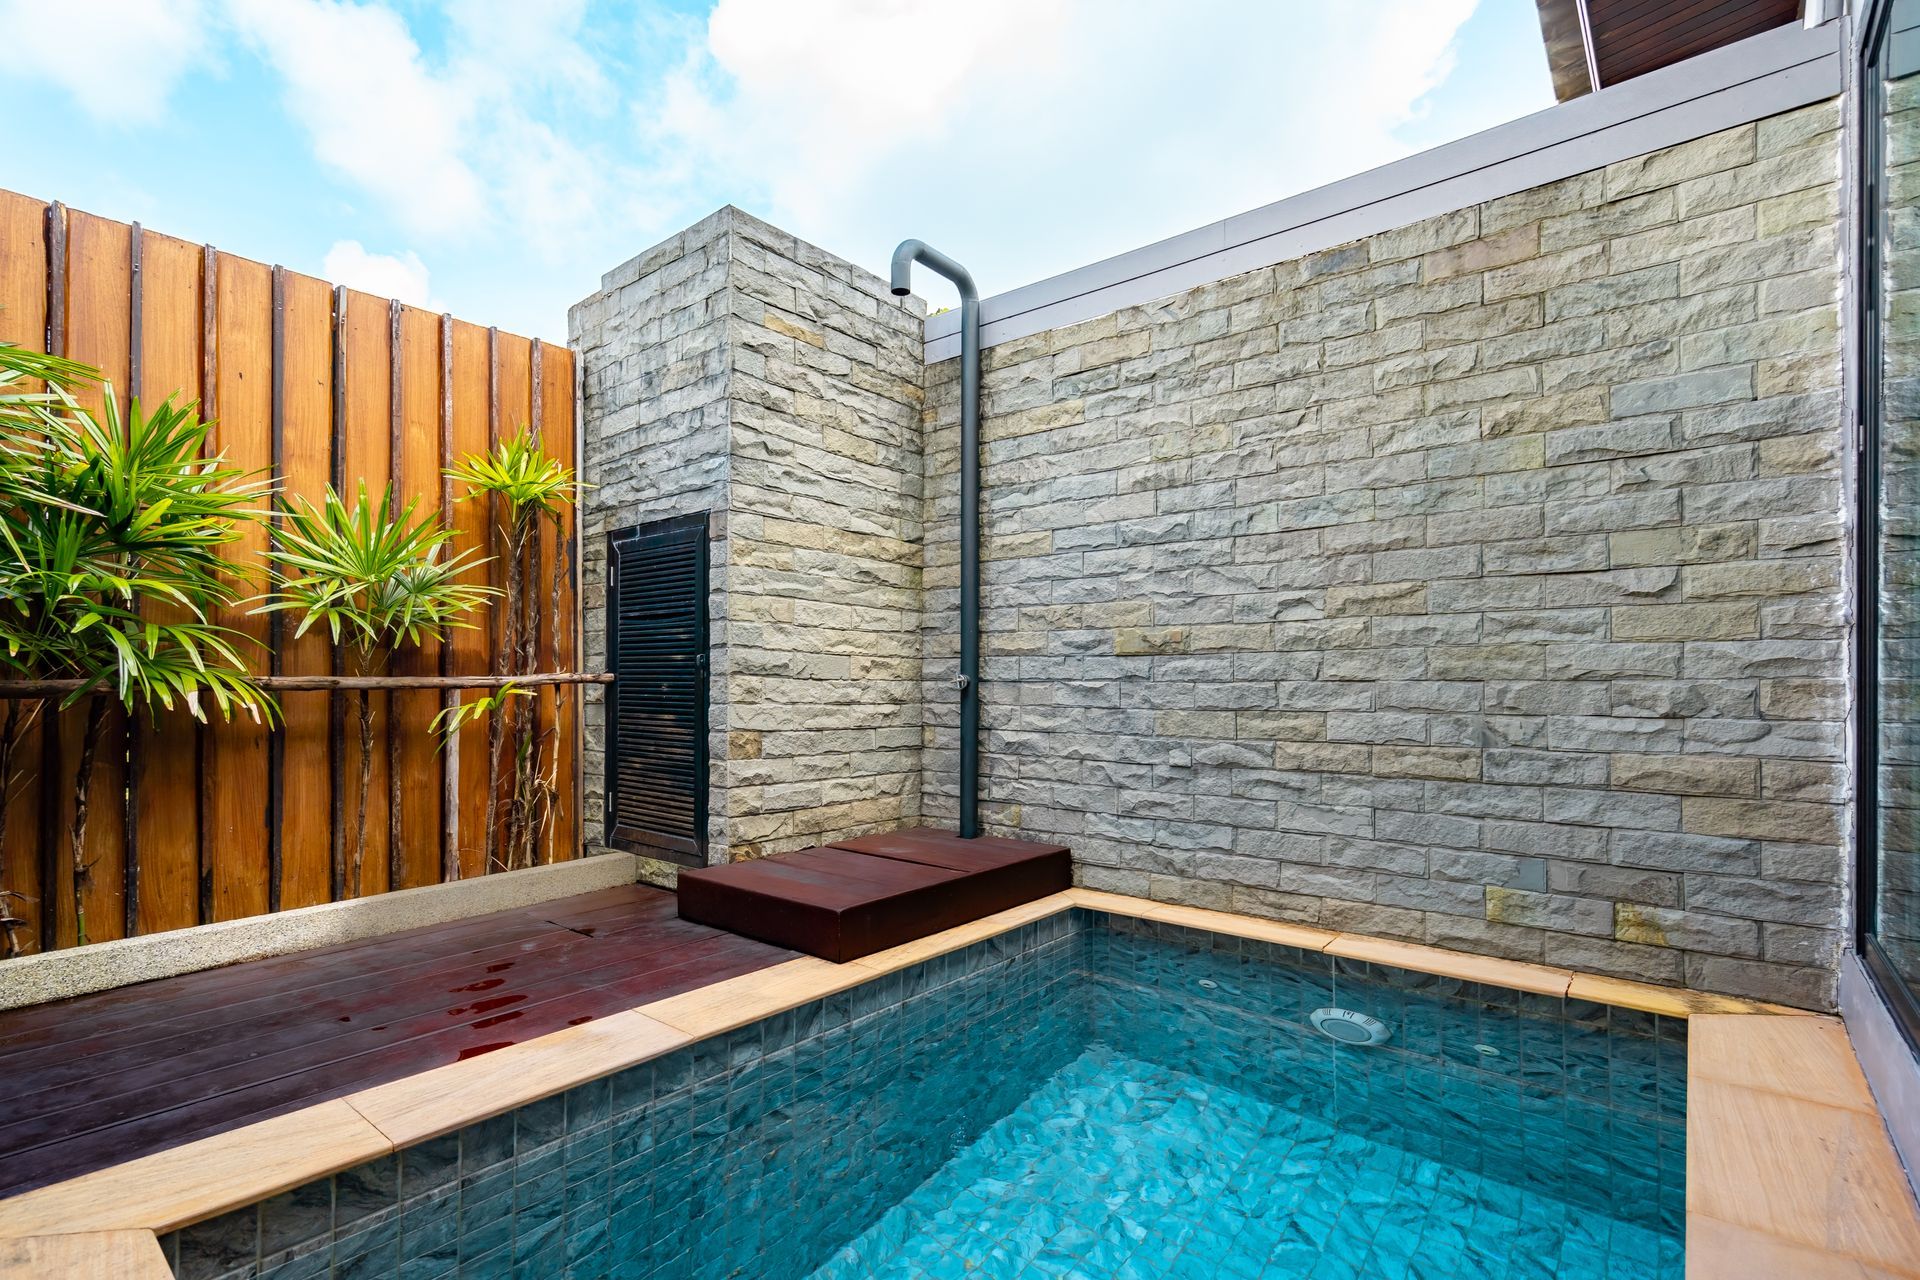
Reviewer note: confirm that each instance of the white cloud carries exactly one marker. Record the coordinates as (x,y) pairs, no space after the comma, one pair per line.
(807,97)
(120,59)
(523,148)
(355,80)
(401,276)
(1036,136)
(456,146)
(511,47)
(1039,135)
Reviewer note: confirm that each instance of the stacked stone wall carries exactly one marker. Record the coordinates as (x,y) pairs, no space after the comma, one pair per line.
(1478,583)
(824,513)
(655,378)
(737,372)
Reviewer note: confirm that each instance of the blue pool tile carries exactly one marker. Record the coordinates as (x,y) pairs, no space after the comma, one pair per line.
(370,1254)
(220,1248)
(297,1220)
(1086,1096)
(429,1166)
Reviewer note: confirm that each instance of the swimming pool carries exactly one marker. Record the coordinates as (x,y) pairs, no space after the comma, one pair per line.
(1084,1096)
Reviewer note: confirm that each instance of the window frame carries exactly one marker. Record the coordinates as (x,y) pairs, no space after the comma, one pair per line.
(1900,997)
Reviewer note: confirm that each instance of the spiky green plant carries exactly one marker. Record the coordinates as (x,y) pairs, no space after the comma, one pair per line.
(375,580)
(111,530)
(526,487)
(456,717)
(31,384)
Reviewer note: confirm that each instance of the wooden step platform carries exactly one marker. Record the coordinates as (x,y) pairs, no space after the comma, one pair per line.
(854,897)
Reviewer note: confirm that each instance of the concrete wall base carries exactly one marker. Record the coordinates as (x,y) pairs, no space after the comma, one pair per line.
(1888,1061)
(56,975)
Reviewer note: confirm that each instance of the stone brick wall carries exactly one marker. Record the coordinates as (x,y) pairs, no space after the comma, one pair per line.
(652,346)
(735,371)
(1476,583)
(824,514)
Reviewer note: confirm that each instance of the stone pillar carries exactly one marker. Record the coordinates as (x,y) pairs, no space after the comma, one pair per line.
(737,371)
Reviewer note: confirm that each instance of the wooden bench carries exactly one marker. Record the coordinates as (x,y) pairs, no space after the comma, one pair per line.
(854,897)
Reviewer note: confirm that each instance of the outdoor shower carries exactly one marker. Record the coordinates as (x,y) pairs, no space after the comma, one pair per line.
(968,681)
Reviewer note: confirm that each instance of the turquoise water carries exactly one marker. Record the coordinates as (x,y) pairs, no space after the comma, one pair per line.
(1086,1096)
(1120,1168)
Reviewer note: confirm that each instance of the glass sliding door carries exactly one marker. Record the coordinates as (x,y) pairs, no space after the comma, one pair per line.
(1889,655)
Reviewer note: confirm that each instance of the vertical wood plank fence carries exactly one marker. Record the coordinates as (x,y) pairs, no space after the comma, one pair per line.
(315,384)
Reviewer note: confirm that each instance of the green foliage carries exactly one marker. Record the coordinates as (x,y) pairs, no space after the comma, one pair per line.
(374,577)
(111,527)
(532,487)
(461,716)
(520,473)
(23,406)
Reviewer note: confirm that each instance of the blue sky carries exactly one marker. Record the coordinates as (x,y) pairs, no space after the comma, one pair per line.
(493,157)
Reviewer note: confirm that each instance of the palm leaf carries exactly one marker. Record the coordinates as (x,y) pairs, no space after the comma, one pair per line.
(520,473)
(112,530)
(374,578)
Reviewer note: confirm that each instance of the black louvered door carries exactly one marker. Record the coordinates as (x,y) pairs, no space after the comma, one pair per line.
(657,708)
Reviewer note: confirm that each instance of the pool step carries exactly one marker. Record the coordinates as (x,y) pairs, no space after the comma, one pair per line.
(854,897)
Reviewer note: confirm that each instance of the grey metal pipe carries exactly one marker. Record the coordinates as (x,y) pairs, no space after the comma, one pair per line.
(910,252)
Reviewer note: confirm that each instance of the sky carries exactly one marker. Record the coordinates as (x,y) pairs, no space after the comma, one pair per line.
(494,157)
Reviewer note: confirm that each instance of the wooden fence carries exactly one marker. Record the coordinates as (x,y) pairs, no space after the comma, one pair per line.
(318,384)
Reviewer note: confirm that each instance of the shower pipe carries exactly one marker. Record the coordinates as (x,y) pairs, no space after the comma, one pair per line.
(968,681)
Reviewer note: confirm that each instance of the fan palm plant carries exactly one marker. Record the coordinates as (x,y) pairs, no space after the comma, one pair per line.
(111,527)
(376,580)
(31,384)
(527,488)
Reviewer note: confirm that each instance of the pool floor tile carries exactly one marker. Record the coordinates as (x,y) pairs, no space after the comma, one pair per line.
(1118,1167)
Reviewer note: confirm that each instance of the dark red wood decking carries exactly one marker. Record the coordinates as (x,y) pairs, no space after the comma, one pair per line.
(855,897)
(104,1078)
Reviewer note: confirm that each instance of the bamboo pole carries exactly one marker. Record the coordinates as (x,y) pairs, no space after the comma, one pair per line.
(314,684)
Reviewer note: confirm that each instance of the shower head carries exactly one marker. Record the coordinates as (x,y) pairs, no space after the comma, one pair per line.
(903,257)
(911,251)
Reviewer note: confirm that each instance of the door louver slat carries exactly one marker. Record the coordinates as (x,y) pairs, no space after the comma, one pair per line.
(657,708)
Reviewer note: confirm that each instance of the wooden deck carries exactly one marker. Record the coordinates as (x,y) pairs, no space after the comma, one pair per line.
(105,1078)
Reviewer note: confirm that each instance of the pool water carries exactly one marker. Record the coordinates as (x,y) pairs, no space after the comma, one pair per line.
(1085,1096)
(1121,1168)
(1208,1130)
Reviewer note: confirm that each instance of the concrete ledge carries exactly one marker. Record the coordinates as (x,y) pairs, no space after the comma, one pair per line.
(97,1255)
(1891,1068)
(56,975)
(1789,1170)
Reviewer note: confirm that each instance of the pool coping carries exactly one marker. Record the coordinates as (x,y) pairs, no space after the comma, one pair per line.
(1793,1162)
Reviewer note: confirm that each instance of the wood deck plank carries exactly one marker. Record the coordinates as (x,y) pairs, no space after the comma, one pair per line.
(164,1190)
(111,1077)
(127,1008)
(124,1009)
(108,1065)
(96,1255)
(1769,1152)
(243,1056)
(1809,1058)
